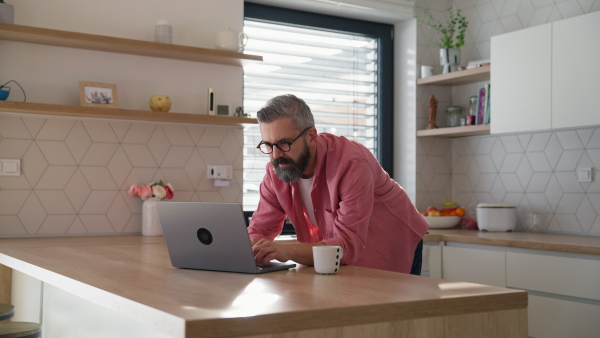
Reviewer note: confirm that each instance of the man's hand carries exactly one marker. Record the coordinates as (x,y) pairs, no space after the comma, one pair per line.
(265,250)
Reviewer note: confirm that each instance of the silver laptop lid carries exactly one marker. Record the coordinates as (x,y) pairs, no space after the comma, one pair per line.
(207,236)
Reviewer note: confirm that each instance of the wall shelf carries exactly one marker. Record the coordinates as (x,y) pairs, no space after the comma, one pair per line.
(456,131)
(119,45)
(457,78)
(126,46)
(454,79)
(120,114)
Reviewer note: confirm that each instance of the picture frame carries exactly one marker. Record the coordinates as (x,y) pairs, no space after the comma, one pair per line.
(223,109)
(98,95)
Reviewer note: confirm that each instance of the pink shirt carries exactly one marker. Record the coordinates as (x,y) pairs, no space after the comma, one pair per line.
(356,204)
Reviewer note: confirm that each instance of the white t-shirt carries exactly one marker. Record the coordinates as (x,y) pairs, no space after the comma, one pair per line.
(305,186)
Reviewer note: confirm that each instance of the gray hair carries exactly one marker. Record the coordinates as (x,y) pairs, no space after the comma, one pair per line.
(287,106)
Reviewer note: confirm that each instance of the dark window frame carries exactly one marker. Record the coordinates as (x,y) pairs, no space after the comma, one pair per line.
(385,66)
(385,77)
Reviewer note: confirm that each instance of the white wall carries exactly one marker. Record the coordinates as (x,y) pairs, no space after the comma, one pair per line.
(506,168)
(50,74)
(75,172)
(405,99)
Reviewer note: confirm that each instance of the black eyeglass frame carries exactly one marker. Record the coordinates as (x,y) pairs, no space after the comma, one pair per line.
(278,142)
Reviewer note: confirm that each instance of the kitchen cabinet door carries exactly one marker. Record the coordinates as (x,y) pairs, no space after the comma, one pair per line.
(565,276)
(474,265)
(575,70)
(521,84)
(553,317)
(432,260)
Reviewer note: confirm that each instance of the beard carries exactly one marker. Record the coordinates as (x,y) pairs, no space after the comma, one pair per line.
(295,169)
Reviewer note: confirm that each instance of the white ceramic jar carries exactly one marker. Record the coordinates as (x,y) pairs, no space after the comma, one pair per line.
(496,217)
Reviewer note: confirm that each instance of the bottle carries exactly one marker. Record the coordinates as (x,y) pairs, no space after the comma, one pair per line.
(453,116)
(472,110)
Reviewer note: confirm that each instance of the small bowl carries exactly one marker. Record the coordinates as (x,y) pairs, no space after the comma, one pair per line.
(442,222)
(4,94)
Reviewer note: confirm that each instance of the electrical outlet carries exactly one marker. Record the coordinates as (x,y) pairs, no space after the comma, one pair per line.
(220,172)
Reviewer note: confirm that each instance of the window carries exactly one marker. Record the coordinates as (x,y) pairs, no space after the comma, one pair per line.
(340,67)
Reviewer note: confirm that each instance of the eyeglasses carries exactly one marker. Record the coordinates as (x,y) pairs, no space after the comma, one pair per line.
(283,146)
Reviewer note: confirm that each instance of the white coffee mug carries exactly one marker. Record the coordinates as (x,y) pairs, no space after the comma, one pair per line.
(327,258)
(426,71)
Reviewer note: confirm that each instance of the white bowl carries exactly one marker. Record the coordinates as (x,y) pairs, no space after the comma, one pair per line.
(442,222)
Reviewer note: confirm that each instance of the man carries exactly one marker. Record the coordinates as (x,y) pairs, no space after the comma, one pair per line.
(334,192)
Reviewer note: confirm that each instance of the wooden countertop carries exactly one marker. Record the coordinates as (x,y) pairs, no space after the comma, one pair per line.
(133,276)
(526,240)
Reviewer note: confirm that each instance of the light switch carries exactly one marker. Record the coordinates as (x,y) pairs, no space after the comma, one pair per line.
(10,167)
(585,174)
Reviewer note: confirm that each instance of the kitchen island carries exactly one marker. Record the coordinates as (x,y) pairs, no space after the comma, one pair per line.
(127,287)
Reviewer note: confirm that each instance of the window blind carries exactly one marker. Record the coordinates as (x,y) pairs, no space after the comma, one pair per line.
(334,72)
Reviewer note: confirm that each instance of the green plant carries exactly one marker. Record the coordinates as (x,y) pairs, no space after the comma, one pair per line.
(456,25)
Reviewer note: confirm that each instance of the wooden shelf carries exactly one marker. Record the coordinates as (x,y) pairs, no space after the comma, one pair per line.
(456,131)
(120,114)
(457,78)
(119,45)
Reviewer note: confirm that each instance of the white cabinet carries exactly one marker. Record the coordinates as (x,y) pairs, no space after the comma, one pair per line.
(521,82)
(564,296)
(546,77)
(474,265)
(563,293)
(559,275)
(432,260)
(559,318)
(575,71)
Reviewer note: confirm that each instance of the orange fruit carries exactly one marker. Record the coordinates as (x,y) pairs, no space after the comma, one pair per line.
(460,211)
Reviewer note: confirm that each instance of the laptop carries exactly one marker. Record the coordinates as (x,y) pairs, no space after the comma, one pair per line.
(210,236)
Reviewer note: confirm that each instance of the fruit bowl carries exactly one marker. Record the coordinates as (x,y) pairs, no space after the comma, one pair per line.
(442,222)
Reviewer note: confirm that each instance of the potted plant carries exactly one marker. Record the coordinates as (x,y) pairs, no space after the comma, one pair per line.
(7,12)
(452,36)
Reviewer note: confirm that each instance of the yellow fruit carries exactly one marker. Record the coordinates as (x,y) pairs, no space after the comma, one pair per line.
(160,103)
(434,213)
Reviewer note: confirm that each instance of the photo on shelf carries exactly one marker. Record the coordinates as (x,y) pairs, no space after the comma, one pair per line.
(223,109)
(96,94)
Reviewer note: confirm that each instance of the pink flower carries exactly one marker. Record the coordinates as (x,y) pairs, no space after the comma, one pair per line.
(145,191)
(158,189)
(169,190)
(133,190)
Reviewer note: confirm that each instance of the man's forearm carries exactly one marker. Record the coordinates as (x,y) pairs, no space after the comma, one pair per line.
(301,252)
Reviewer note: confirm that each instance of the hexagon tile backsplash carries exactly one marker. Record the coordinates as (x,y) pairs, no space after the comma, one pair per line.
(75,173)
(537,172)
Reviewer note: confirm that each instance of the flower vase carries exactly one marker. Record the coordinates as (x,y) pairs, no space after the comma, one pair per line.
(150,222)
(449,59)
